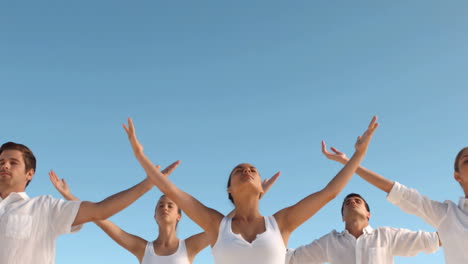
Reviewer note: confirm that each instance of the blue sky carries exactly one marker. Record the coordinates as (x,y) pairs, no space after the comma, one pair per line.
(217,83)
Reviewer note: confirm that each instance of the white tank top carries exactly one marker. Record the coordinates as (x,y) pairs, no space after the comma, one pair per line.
(179,257)
(267,248)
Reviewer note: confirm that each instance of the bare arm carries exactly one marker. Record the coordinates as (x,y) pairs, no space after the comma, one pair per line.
(368,175)
(195,244)
(134,244)
(207,218)
(291,217)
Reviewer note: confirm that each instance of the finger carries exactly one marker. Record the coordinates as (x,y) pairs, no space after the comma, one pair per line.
(336,151)
(53,176)
(169,169)
(125,128)
(324,148)
(372,122)
(131,127)
(274,178)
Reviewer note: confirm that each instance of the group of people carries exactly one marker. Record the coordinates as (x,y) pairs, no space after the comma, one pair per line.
(30,226)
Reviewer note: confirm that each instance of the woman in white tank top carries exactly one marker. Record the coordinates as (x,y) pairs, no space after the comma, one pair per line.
(167,248)
(248,237)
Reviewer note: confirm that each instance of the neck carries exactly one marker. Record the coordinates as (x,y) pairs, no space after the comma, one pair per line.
(167,234)
(4,192)
(465,190)
(355,226)
(247,207)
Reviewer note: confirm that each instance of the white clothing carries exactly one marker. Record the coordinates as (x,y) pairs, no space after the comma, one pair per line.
(267,248)
(179,257)
(374,246)
(29,227)
(450,220)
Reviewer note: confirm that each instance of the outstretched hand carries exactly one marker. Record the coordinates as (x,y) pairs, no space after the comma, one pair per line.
(169,169)
(61,186)
(130,130)
(336,155)
(363,141)
(267,183)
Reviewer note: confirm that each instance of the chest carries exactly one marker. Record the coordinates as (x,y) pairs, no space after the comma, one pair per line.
(248,230)
(165,250)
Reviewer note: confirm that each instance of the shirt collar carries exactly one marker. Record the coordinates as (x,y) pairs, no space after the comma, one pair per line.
(15,196)
(367,230)
(463,204)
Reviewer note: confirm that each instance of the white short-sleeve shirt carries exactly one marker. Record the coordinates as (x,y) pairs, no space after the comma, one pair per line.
(29,227)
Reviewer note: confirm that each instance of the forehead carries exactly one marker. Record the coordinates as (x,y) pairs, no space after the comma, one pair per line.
(165,199)
(244,166)
(354,198)
(11,154)
(464,154)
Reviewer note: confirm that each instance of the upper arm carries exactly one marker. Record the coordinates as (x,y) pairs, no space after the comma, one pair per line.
(412,202)
(134,244)
(88,212)
(290,218)
(208,219)
(313,253)
(410,243)
(196,243)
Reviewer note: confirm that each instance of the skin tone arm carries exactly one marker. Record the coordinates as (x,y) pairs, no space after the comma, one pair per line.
(207,218)
(291,217)
(369,176)
(134,244)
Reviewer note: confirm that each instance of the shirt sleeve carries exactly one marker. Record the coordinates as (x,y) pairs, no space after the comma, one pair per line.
(312,253)
(62,214)
(412,202)
(407,243)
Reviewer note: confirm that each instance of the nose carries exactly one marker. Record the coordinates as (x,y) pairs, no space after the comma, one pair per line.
(5,166)
(246,170)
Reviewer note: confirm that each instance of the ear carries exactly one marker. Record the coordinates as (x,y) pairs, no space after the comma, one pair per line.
(456,176)
(29,174)
(368,216)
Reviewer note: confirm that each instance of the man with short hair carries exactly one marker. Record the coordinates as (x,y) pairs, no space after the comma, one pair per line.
(29,226)
(361,244)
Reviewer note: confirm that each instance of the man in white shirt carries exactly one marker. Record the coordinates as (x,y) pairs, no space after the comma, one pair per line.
(361,244)
(29,226)
(450,219)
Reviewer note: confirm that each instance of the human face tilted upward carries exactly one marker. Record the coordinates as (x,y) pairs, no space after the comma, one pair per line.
(13,174)
(354,207)
(245,177)
(167,212)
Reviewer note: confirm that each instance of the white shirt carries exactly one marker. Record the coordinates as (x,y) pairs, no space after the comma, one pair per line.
(179,257)
(29,227)
(374,246)
(267,248)
(450,220)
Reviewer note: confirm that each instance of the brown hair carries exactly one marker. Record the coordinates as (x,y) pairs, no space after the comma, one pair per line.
(28,156)
(457,159)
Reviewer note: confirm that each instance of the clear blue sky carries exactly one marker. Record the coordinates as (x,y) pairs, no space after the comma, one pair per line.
(217,83)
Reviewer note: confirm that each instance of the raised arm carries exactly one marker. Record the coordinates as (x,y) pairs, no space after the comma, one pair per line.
(291,217)
(134,244)
(207,218)
(373,178)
